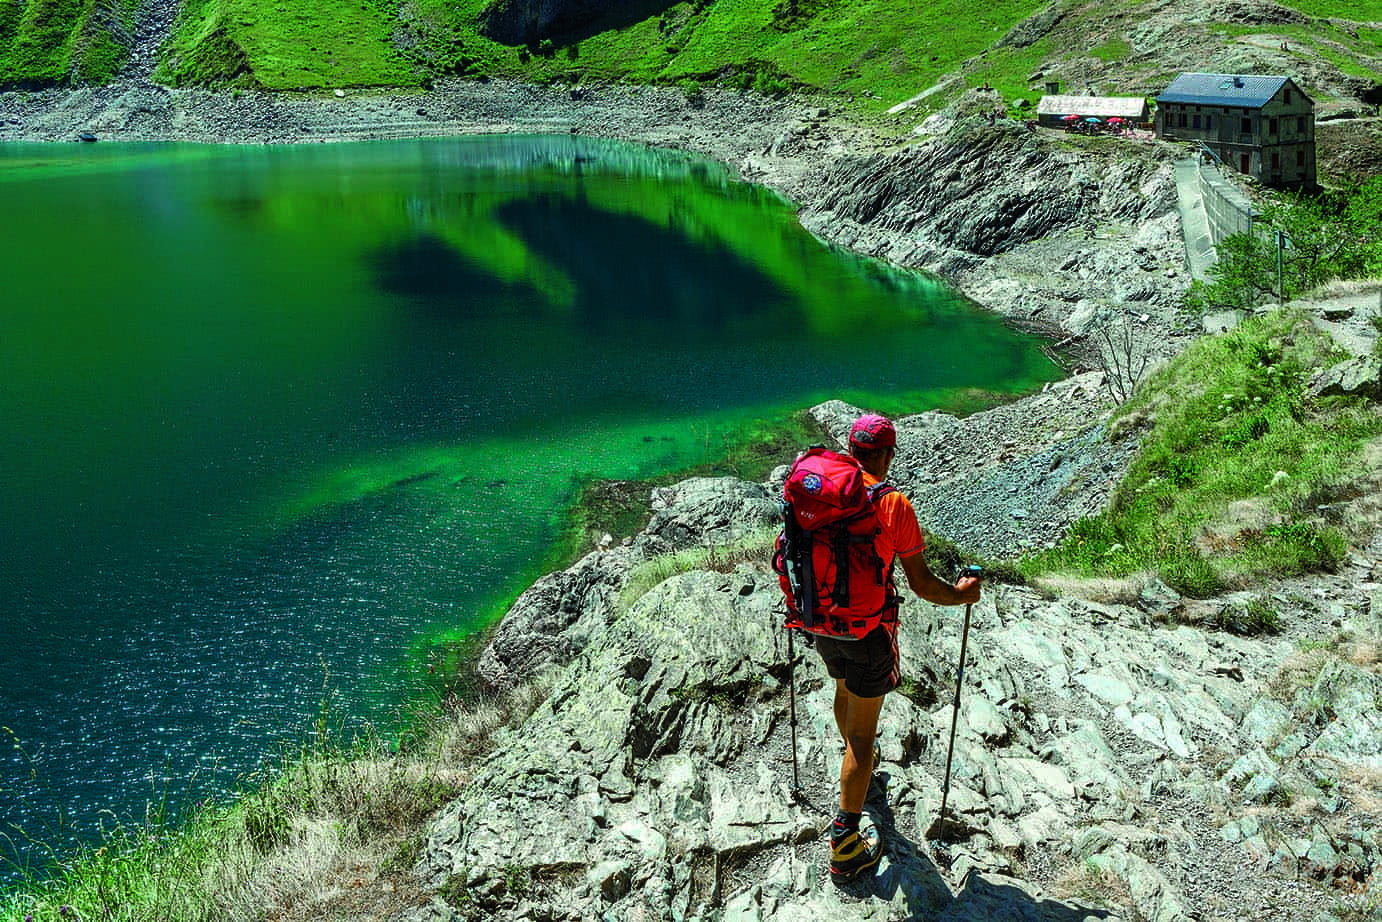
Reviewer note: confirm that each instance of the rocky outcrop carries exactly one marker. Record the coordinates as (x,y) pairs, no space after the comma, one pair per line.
(554,619)
(1112,761)
(1062,241)
(523,22)
(974,190)
(559,614)
(706,512)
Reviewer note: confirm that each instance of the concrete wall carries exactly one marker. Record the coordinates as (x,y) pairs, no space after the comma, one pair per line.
(1225,205)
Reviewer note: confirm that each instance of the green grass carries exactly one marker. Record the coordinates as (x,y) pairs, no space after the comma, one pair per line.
(1230,414)
(878,51)
(285,45)
(1112,51)
(47,42)
(1355,10)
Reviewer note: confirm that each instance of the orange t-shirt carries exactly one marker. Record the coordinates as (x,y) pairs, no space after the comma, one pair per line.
(901,533)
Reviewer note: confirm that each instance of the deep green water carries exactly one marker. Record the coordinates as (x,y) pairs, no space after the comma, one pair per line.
(275,421)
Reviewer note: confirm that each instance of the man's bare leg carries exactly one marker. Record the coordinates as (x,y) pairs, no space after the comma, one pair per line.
(857,719)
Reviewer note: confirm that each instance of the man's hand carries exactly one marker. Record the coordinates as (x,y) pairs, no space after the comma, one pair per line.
(927,585)
(967,586)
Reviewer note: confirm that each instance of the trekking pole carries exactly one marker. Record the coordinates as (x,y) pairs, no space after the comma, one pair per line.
(938,829)
(792,710)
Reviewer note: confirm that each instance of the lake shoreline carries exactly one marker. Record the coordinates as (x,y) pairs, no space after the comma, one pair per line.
(797,146)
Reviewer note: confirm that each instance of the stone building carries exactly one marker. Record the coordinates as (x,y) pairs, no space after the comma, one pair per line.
(1262,126)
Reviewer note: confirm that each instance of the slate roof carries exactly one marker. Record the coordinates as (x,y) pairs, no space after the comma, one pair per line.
(1223,90)
(1129,107)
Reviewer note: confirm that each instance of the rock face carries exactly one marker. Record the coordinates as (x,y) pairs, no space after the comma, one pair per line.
(977,190)
(1107,765)
(1059,241)
(556,617)
(522,22)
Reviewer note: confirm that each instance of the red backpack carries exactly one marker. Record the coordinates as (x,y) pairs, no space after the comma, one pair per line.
(827,560)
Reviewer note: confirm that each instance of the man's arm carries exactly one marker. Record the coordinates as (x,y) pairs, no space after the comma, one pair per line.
(931,588)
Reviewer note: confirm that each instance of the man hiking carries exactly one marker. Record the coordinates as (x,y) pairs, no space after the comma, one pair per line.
(865,670)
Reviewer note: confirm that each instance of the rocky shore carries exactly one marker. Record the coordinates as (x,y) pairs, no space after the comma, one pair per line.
(1117,757)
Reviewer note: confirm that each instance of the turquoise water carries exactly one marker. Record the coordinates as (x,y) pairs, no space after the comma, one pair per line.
(273,421)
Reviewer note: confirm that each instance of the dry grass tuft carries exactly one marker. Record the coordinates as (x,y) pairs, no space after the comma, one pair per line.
(1364,654)
(1101,590)
(1362,787)
(1343,288)
(346,833)
(1088,883)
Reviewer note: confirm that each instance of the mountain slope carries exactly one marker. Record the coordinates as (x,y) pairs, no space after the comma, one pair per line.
(873,54)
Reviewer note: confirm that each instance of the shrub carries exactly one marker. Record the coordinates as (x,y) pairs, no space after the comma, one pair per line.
(692,90)
(1255,617)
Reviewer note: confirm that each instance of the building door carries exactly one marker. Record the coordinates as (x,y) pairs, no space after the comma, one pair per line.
(1245,163)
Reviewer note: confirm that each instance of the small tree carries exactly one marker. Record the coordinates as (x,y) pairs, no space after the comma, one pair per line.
(1122,359)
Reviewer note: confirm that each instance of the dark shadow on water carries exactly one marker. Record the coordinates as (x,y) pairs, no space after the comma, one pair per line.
(910,871)
(428,270)
(632,278)
(634,275)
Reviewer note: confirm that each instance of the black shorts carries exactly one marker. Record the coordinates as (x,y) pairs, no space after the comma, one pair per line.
(868,665)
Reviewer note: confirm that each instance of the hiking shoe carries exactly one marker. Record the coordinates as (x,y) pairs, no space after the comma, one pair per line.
(854,854)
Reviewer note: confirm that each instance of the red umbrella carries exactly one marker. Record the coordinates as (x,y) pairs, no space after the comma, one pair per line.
(1115,121)
(1069,118)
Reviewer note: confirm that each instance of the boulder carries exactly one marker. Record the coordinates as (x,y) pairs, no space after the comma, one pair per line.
(1358,377)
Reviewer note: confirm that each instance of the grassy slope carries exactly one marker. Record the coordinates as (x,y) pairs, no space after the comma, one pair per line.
(871,54)
(45,42)
(285,45)
(1227,487)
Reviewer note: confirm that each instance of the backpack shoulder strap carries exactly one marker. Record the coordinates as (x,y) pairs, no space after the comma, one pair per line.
(880,490)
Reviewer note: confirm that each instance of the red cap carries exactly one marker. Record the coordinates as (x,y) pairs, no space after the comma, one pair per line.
(872,431)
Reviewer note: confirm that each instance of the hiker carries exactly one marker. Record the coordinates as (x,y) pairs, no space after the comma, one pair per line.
(865,670)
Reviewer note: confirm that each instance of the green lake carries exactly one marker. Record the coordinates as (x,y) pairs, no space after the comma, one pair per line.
(277,421)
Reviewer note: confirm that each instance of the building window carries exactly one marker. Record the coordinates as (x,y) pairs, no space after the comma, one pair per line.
(1300,157)
(1196,121)
(1182,120)
(1288,96)
(1271,127)
(1300,124)
(1247,126)
(1208,122)
(1276,160)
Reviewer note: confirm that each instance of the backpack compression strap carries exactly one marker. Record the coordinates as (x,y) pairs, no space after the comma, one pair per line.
(839,595)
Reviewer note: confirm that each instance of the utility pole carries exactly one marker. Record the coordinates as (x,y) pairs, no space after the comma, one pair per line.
(1282,242)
